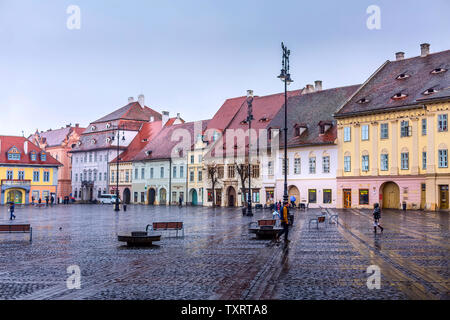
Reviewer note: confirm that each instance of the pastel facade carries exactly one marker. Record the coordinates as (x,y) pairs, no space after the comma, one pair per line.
(58,143)
(393,137)
(27,173)
(196,174)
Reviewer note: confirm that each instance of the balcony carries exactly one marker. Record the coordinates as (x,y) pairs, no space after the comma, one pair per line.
(16,183)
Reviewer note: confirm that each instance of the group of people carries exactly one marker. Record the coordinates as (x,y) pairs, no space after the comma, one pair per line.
(47,200)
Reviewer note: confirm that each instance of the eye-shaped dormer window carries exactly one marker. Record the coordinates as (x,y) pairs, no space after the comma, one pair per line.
(403,76)
(438,70)
(430,91)
(399,96)
(363,100)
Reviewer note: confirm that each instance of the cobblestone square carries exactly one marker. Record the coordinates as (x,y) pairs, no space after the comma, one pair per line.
(219,259)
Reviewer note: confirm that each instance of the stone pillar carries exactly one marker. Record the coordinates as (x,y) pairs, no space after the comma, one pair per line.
(415,148)
(356,163)
(375,155)
(340,141)
(394,150)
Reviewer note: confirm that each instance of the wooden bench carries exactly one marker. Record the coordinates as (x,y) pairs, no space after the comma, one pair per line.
(166,226)
(17,228)
(139,239)
(264,228)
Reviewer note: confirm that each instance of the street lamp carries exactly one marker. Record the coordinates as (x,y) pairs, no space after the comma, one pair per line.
(116,206)
(249,120)
(286,78)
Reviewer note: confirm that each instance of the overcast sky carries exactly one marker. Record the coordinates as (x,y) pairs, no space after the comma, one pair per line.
(189,56)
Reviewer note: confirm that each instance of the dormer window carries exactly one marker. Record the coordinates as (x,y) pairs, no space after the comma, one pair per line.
(148,152)
(363,100)
(399,96)
(297,131)
(403,76)
(108,140)
(438,70)
(93,141)
(430,91)
(43,157)
(264,119)
(14,154)
(93,128)
(144,140)
(108,125)
(79,143)
(244,121)
(324,126)
(33,156)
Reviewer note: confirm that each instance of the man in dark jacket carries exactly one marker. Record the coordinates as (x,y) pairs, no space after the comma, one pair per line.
(11,211)
(284,224)
(376,218)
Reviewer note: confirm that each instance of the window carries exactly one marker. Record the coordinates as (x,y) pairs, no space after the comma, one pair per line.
(424,127)
(326,164)
(442,122)
(220,172)
(312,195)
(35,176)
(443,158)
(365,132)
(162,172)
(33,156)
(46,176)
(90,157)
(347,134)
(76,194)
(127,175)
(312,165)
(104,177)
(142,173)
(112,176)
(255,171)
(270,168)
(90,175)
(142,197)
(297,166)
(365,163)
(136,174)
(347,163)
(95,175)
(363,196)
(210,195)
(95,159)
(76,177)
(181,171)
(200,175)
(9,175)
(191,175)
(101,158)
(135,197)
(192,159)
(151,173)
(405,130)
(255,196)
(326,195)
(200,159)
(384,131)
(13,156)
(424,160)
(230,171)
(405,160)
(99,176)
(384,162)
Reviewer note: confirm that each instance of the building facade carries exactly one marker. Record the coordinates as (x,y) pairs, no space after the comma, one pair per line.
(28,174)
(58,143)
(393,136)
(102,141)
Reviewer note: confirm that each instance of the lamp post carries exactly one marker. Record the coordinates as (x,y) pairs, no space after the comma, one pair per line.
(249,120)
(116,206)
(286,78)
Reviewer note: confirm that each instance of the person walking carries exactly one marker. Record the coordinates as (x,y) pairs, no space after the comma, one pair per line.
(46,201)
(376,218)
(11,211)
(180,201)
(284,224)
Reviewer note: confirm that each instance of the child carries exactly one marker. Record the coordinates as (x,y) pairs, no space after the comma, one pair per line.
(376,217)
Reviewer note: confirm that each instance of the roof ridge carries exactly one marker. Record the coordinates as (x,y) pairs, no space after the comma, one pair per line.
(418,57)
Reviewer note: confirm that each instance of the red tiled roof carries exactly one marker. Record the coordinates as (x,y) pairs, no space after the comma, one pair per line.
(132,111)
(225,114)
(172,120)
(7,142)
(56,137)
(148,131)
(161,146)
(383,85)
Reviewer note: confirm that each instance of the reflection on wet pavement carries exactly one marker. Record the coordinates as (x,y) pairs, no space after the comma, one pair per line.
(219,259)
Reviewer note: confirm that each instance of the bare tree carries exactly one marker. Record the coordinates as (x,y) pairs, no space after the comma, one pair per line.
(212,175)
(242,170)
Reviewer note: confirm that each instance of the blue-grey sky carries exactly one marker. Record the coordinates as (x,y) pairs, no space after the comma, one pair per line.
(189,56)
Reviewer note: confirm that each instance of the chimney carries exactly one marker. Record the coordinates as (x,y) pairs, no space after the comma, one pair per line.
(309,88)
(425,49)
(141,100)
(178,116)
(318,84)
(399,56)
(25,147)
(130,99)
(165,117)
(77,125)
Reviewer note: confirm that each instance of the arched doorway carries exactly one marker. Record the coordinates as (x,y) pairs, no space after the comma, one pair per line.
(293,191)
(151,196)
(390,195)
(15,196)
(194,197)
(162,196)
(126,196)
(231,196)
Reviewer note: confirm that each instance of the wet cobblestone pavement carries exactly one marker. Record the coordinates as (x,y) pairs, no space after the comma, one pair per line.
(219,259)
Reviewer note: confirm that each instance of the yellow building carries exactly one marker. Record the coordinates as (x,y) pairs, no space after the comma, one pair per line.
(196,174)
(393,136)
(27,173)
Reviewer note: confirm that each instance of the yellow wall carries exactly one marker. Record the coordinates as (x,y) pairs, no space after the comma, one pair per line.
(29,174)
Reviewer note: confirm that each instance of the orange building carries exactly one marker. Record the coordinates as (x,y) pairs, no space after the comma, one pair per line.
(58,143)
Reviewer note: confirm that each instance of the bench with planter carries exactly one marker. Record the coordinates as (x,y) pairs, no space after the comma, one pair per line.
(264,228)
(17,228)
